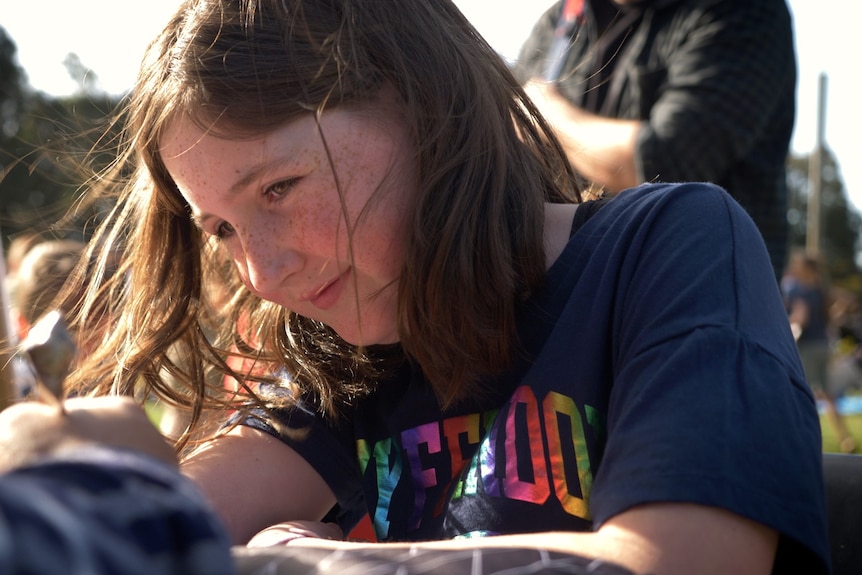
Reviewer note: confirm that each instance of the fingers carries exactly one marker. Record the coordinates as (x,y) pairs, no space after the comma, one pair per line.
(29,431)
(118,422)
(284,533)
(32,430)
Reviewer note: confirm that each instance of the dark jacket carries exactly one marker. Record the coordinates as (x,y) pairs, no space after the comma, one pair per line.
(713,81)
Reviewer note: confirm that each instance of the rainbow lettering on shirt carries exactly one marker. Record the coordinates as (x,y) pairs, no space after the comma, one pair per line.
(522,457)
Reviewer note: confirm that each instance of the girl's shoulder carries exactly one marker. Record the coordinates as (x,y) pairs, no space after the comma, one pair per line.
(687,192)
(706,203)
(686,216)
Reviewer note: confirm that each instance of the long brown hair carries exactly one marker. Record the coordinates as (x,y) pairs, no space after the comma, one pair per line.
(487,163)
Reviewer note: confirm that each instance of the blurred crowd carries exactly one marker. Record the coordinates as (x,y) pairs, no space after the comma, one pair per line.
(826,322)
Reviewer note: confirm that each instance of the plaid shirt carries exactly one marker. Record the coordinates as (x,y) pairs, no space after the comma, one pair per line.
(713,81)
(100,511)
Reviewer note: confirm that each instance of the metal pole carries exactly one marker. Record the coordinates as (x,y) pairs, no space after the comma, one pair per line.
(815,174)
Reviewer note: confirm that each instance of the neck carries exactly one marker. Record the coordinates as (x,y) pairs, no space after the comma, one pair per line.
(557,230)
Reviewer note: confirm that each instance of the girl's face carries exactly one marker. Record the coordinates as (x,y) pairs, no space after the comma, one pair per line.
(274,203)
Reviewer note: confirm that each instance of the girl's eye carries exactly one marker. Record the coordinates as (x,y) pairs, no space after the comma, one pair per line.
(224,231)
(280,189)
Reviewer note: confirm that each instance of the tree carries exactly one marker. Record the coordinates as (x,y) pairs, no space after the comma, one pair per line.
(42,146)
(841,224)
(12,80)
(86,79)
(13,105)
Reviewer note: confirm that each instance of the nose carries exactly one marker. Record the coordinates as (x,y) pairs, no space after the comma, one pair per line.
(267,262)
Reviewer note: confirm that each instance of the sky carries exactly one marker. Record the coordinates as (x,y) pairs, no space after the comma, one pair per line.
(111,41)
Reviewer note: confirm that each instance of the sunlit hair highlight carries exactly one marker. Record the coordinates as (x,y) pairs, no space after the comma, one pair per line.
(487,164)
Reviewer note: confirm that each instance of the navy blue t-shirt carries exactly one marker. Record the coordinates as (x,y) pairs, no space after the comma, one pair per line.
(659,367)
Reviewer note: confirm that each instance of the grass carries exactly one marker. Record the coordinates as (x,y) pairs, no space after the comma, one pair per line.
(154,412)
(830,442)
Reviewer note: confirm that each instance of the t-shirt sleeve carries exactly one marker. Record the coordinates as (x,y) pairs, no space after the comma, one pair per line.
(328,446)
(709,403)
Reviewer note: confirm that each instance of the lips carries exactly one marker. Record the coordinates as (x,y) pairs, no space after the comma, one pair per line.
(325,297)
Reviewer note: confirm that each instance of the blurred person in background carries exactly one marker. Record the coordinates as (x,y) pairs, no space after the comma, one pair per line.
(807,298)
(39,279)
(53,276)
(672,91)
(35,284)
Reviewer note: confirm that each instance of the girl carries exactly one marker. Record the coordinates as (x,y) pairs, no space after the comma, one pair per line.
(445,334)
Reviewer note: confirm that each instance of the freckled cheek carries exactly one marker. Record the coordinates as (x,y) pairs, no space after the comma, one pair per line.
(317,227)
(380,245)
(262,244)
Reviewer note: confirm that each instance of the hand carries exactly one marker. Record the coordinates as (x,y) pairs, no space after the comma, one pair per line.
(601,149)
(284,533)
(30,430)
(545,95)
